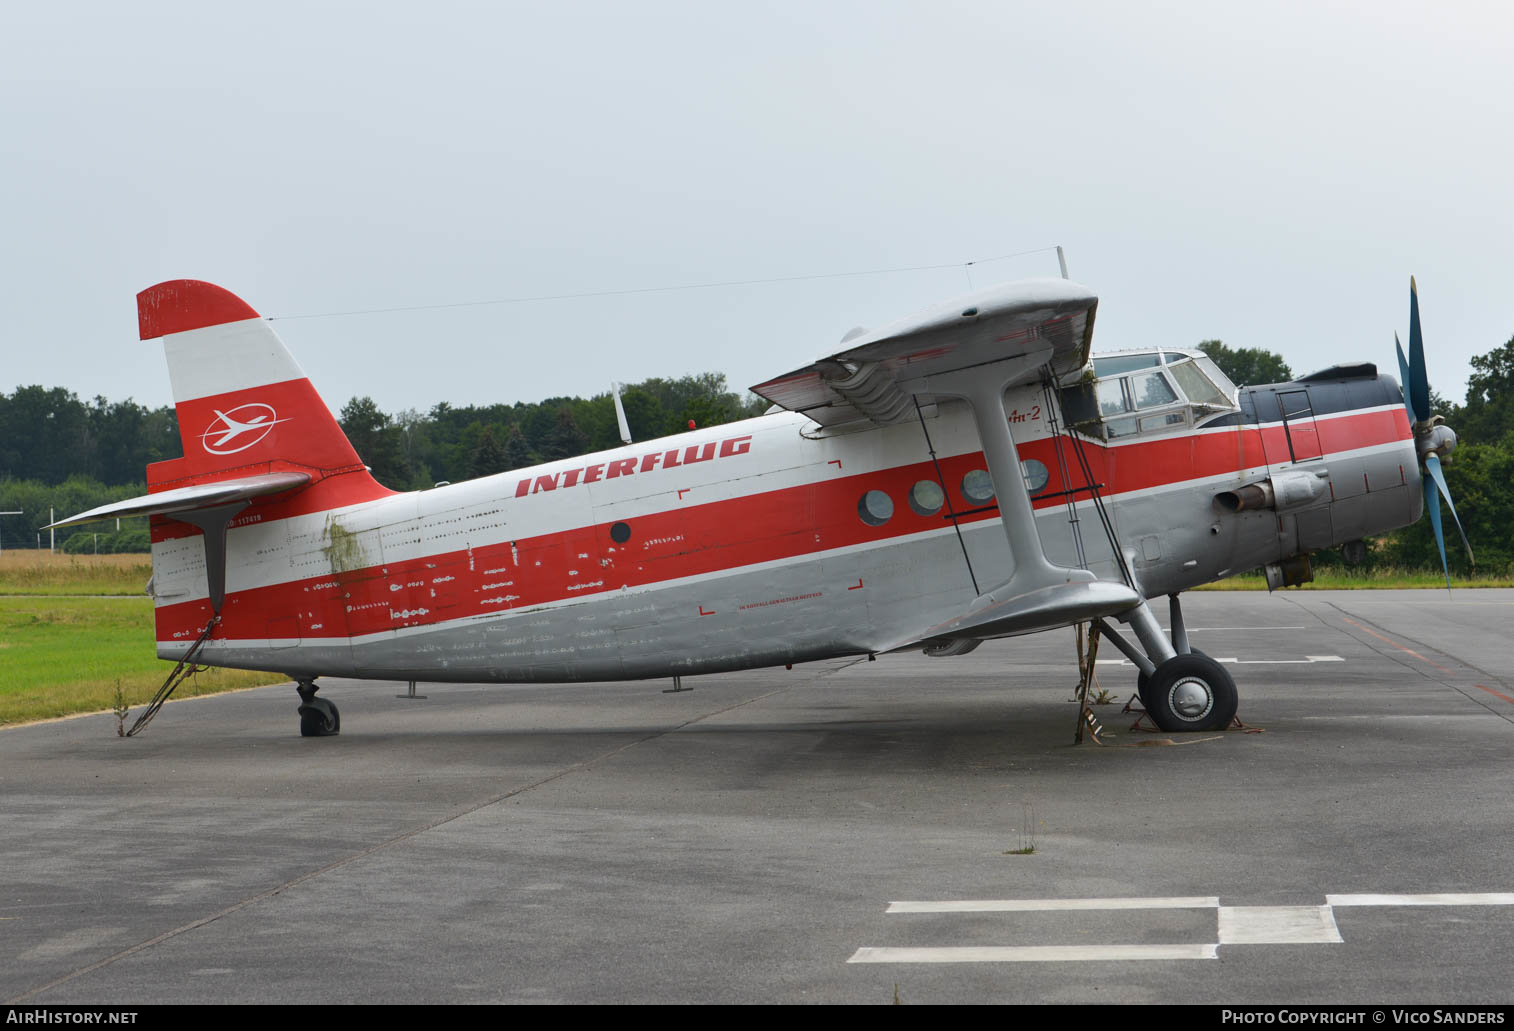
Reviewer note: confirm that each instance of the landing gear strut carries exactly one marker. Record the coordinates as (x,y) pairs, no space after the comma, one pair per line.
(318,717)
(1183,689)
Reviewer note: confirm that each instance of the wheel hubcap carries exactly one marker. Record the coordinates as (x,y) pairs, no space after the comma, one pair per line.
(1191,698)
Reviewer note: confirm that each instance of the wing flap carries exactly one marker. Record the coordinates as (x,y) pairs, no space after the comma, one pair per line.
(188,499)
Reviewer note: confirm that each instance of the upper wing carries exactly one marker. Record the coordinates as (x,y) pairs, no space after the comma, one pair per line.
(875,376)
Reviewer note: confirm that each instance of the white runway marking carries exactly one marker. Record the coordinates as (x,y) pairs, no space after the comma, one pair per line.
(1305,661)
(1235,925)
(1498,898)
(1277,925)
(1031,953)
(1209,629)
(1045,905)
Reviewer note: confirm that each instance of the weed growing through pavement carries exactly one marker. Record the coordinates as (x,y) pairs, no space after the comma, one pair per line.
(1027,832)
(121,709)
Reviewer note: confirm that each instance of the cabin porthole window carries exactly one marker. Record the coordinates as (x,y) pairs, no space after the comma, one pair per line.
(1036,474)
(620,533)
(926,498)
(977,487)
(875,508)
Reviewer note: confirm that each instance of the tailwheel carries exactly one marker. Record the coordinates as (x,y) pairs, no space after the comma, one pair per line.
(318,716)
(1190,692)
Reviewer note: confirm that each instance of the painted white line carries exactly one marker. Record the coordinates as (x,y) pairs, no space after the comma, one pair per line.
(1211,629)
(1277,925)
(1032,953)
(1305,661)
(1497,898)
(1043,905)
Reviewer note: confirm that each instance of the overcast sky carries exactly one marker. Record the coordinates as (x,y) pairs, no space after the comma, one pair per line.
(1269,174)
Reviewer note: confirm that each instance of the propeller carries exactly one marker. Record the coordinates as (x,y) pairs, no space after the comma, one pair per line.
(1433,439)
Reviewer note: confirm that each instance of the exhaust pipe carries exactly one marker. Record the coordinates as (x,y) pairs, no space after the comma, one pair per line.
(1283,492)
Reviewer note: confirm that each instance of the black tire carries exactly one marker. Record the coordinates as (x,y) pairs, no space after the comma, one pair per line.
(319,718)
(1191,692)
(1143,682)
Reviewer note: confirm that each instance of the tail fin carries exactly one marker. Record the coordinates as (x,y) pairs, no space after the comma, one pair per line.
(244,406)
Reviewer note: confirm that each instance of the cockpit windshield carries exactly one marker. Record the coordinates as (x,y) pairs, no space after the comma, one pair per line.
(1150,391)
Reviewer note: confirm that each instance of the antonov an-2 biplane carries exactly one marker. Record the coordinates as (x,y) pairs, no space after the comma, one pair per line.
(966,473)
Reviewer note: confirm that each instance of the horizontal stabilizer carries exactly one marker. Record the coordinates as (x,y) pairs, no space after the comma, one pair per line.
(188,499)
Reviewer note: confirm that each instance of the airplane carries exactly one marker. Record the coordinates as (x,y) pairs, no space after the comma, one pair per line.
(965,473)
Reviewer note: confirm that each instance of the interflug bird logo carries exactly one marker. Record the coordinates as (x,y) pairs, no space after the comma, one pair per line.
(239,429)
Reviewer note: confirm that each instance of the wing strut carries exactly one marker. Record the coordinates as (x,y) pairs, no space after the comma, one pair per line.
(1039,595)
(983,390)
(1071,496)
(941,479)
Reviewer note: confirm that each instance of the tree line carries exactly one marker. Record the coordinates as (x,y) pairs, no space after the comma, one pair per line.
(411,451)
(71,455)
(62,454)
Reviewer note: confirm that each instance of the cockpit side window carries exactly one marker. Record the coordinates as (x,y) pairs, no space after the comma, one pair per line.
(1111,395)
(1151,390)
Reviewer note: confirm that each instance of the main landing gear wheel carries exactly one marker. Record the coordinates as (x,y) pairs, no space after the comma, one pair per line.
(1191,692)
(318,717)
(1143,682)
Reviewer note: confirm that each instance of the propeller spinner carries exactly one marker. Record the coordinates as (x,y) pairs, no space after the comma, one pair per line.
(1433,439)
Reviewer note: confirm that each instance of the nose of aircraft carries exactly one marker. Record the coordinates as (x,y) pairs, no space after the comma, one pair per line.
(1438,440)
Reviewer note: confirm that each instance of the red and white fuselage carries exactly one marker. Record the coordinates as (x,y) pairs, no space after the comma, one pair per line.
(756,543)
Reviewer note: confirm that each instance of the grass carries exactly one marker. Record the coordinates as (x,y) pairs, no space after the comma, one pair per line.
(1378,579)
(45,573)
(61,656)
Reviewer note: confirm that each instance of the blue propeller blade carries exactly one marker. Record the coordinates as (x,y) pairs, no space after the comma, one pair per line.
(1432,502)
(1403,375)
(1418,387)
(1417,401)
(1432,466)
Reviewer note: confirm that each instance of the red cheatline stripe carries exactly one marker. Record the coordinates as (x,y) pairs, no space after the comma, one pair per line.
(789,523)
(1400,647)
(1498,694)
(1421,658)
